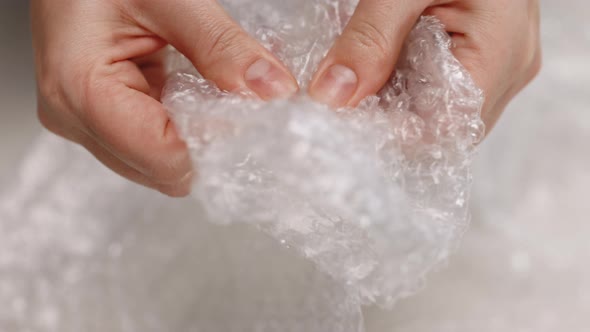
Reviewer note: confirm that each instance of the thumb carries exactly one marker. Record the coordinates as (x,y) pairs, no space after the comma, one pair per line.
(218,47)
(363,58)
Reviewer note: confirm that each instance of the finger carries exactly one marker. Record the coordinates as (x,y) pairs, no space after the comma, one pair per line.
(133,126)
(481,49)
(56,122)
(469,39)
(154,71)
(70,130)
(178,189)
(363,58)
(218,47)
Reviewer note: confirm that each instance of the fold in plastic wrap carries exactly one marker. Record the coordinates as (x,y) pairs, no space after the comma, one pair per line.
(375,196)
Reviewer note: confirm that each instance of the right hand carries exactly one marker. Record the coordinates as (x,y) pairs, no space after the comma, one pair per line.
(99,77)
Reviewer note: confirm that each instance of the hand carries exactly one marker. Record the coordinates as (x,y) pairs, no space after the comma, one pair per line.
(100,73)
(496,40)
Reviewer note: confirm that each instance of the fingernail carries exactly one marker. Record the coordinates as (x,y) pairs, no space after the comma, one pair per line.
(336,87)
(268,81)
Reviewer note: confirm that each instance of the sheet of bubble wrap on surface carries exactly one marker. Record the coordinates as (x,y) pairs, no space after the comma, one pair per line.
(376,195)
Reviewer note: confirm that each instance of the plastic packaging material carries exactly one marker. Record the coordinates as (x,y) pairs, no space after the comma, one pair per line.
(374,196)
(83,250)
(359,203)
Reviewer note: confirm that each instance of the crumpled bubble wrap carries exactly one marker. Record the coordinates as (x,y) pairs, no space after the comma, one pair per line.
(375,196)
(356,205)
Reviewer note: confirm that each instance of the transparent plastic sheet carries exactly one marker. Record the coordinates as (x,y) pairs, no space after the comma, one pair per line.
(382,201)
(375,196)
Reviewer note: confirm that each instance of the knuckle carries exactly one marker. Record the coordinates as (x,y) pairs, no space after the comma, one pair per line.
(136,4)
(368,36)
(175,191)
(47,121)
(533,58)
(52,111)
(225,39)
(60,94)
(50,90)
(57,126)
(174,172)
(166,176)
(94,91)
(536,66)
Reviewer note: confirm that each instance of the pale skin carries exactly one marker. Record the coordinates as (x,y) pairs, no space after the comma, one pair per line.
(99,69)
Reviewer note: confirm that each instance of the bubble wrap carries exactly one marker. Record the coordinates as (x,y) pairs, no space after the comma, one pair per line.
(374,196)
(355,205)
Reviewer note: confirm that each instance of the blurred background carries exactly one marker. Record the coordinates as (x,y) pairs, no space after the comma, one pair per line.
(525,263)
(18,123)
